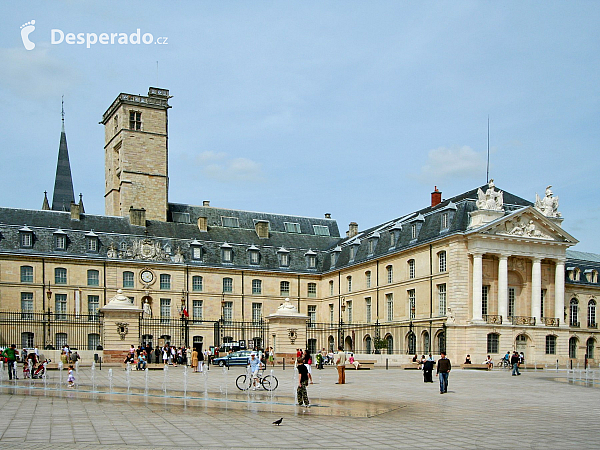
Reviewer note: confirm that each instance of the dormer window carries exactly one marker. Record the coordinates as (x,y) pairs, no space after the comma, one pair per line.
(415,226)
(321,230)
(254,254)
(284,257)
(372,243)
(226,253)
(26,237)
(60,240)
(354,249)
(335,254)
(413,231)
(591,275)
(196,249)
(91,242)
(311,259)
(444,221)
(577,274)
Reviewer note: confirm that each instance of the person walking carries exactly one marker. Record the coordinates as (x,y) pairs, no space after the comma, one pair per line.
(514,360)
(308,363)
(428,370)
(302,383)
(340,362)
(443,371)
(11,354)
(195,360)
(200,361)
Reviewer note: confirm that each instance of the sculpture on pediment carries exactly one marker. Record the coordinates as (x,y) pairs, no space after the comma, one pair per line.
(111,253)
(178,257)
(146,249)
(548,205)
(492,199)
(518,227)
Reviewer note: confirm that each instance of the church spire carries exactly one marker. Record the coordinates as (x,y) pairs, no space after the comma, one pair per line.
(63,182)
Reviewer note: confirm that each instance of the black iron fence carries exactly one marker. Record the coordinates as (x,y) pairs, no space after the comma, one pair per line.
(390,338)
(50,330)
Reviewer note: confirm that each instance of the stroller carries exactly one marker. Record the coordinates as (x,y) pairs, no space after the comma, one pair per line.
(40,371)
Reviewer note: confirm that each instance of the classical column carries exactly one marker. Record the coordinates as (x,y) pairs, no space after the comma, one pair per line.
(559,292)
(536,290)
(503,286)
(477,286)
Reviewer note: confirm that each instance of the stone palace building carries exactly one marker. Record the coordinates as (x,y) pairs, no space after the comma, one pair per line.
(480,273)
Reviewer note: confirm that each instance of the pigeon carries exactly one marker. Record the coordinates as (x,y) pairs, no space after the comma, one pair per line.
(278,422)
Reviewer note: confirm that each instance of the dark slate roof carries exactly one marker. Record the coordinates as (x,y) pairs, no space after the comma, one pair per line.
(585,262)
(117,232)
(428,225)
(63,182)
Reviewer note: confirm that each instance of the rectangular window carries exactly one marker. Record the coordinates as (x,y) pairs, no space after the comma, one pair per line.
(227,255)
(444,221)
(349,309)
(165,281)
(550,345)
(368,279)
(352,252)
(412,304)
(128,281)
(228,312)
(284,259)
(371,246)
(492,343)
(93,278)
(442,299)
(368,309)
(26,240)
(390,274)
(331,313)
(227,284)
(284,288)
(26,274)
(27,305)
(442,261)
(392,239)
(312,315)
(60,306)
(254,257)
(256,313)
(135,120)
(230,222)
(197,252)
(511,302)
(413,231)
(484,299)
(291,227)
(197,283)
(256,287)
(389,300)
(93,341)
(60,242)
(321,230)
(312,261)
(411,269)
(165,311)
(60,276)
(92,244)
(197,310)
(331,288)
(312,289)
(93,306)
(349,279)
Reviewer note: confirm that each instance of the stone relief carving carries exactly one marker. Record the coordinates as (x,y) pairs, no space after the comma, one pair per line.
(292,334)
(147,311)
(491,200)
(178,258)
(548,205)
(516,264)
(450,316)
(122,329)
(520,227)
(112,252)
(146,249)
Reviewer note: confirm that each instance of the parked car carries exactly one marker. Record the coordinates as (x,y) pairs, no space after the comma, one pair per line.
(239,358)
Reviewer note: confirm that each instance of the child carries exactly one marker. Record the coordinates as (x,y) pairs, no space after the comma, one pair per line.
(302,383)
(25,370)
(71,377)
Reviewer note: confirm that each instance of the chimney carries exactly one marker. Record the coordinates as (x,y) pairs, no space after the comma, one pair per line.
(328,215)
(137,216)
(203,224)
(206,203)
(262,228)
(436,197)
(75,211)
(352,229)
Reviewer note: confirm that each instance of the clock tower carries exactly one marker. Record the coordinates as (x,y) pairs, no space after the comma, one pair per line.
(136,154)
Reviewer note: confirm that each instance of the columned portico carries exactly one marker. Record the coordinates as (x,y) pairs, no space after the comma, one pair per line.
(559,292)
(477,286)
(536,290)
(503,286)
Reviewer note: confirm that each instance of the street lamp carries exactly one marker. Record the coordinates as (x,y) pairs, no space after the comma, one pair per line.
(341,326)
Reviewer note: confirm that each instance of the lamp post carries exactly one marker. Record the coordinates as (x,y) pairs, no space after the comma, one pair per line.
(341,324)
(47,339)
(184,320)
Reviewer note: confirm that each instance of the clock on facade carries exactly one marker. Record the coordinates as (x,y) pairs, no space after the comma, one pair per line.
(147,276)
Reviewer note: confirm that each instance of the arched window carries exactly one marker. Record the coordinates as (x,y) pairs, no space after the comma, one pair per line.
(330,343)
(368,344)
(426,343)
(197,283)
(573,347)
(592,314)
(330,287)
(227,284)
(412,343)
(411,268)
(589,345)
(390,274)
(390,344)
(441,342)
(573,309)
(60,275)
(93,277)
(368,278)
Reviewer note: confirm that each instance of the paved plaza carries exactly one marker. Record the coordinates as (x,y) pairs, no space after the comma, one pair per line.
(376,408)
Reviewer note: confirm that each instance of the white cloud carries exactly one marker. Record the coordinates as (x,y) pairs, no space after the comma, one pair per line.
(218,166)
(35,74)
(454,162)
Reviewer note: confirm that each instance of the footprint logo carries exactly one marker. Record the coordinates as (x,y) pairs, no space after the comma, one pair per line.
(26,30)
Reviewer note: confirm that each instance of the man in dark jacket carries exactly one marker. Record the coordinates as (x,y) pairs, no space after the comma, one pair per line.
(428,370)
(443,371)
(514,360)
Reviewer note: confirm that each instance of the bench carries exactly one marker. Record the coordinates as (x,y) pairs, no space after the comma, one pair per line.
(474,366)
(152,366)
(362,365)
(411,366)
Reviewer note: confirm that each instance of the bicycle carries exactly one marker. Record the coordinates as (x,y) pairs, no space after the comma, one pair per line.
(268,382)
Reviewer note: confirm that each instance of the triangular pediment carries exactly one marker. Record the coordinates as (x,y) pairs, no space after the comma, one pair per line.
(527,223)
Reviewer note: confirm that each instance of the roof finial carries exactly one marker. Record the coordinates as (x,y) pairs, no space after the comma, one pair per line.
(63,113)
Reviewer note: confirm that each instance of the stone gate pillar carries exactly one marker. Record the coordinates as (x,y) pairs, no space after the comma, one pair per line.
(121,327)
(287,331)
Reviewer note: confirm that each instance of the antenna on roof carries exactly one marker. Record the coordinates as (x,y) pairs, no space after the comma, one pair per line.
(487,172)
(62,105)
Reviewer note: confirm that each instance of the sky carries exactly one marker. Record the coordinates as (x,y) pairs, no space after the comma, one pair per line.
(354,108)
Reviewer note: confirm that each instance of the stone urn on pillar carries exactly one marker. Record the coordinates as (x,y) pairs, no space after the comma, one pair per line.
(287,331)
(121,327)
